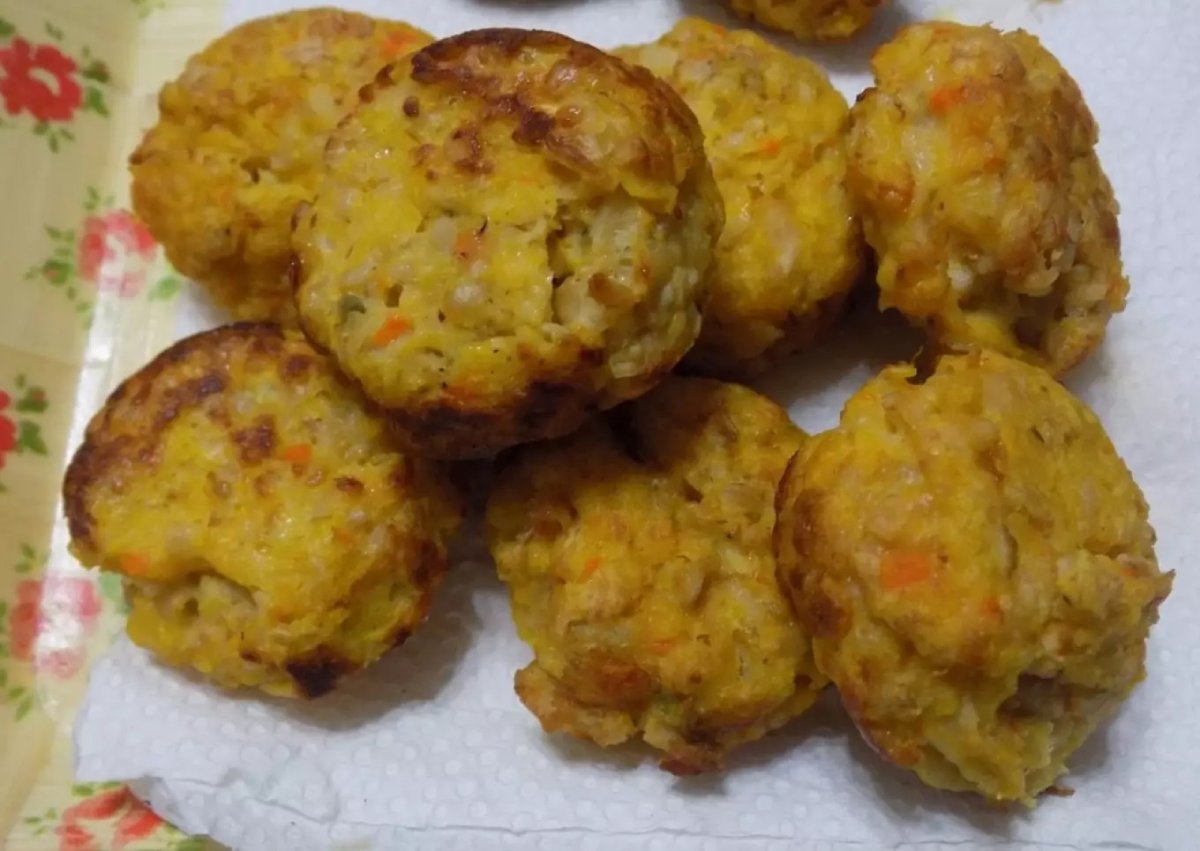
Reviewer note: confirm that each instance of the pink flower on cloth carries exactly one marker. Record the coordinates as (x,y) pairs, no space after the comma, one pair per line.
(51,605)
(74,594)
(24,619)
(115,253)
(61,664)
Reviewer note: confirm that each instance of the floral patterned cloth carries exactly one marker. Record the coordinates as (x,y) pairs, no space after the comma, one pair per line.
(47,85)
(107,817)
(89,296)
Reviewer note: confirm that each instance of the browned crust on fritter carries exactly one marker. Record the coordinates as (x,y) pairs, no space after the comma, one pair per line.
(450,428)
(824,21)
(318,672)
(109,436)
(453,428)
(459,62)
(429,570)
(819,612)
(130,425)
(547,408)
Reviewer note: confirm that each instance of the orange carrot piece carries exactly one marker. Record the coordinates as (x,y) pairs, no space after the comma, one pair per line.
(135,564)
(945,98)
(590,567)
(661,647)
(905,568)
(297,453)
(392,328)
(770,147)
(398,44)
(467,245)
(342,536)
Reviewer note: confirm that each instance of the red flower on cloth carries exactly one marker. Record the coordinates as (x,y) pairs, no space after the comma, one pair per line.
(64,607)
(116,252)
(39,80)
(136,821)
(100,807)
(8,429)
(72,837)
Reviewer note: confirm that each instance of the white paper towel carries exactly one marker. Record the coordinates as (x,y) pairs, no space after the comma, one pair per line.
(430,749)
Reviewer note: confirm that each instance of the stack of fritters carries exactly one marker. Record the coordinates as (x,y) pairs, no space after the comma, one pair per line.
(500,245)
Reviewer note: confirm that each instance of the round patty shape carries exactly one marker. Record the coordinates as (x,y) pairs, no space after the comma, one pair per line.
(976,567)
(268,532)
(638,556)
(810,19)
(792,247)
(513,228)
(239,141)
(973,164)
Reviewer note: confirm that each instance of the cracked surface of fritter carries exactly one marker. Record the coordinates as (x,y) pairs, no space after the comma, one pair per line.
(774,132)
(638,557)
(268,532)
(972,162)
(976,567)
(810,19)
(513,229)
(239,141)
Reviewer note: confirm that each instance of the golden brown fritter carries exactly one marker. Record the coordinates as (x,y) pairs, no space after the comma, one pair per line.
(792,247)
(810,19)
(268,532)
(973,164)
(976,567)
(238,145)
(638,556)
(513,228)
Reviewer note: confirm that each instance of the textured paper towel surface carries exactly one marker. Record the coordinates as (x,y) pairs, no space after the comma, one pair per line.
(431,749)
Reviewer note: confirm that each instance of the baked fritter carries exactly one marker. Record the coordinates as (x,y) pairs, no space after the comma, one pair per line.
(268,533)
(973,164)
(977,569)
(792,247)
(513,228)
(638,556)
(810,19)
(238,145)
